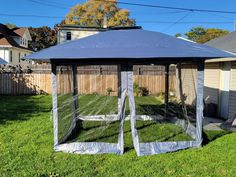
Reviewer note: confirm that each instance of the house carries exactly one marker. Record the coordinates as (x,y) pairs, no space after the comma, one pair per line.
(71,32)
(14,44)
(219,81)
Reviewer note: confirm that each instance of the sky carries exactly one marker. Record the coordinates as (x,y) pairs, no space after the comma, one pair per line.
(154,19)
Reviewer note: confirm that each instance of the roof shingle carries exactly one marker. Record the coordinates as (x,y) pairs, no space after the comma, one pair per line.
(227,42)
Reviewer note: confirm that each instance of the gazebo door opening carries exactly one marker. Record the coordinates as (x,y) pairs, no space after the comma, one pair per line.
(164,122)
(88,119)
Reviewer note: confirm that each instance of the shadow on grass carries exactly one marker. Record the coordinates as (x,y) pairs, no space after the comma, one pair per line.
(21,108)
(211,135)
(174,109)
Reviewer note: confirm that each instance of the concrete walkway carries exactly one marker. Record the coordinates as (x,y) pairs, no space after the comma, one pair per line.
(210,123)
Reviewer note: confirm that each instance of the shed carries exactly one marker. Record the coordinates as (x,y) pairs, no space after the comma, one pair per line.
(80,118)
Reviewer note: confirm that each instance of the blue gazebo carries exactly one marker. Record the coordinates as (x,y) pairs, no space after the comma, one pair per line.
(2,62)
(123,48)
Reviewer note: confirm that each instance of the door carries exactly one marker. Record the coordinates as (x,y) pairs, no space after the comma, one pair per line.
(225,88)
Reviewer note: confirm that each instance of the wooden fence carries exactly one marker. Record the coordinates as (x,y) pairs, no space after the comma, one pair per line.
(90,80)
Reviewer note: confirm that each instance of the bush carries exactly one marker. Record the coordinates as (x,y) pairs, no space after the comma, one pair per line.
(144,91)
(109,90)
(137,90)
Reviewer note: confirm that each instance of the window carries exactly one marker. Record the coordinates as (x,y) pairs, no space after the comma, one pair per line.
(68,36)
(10,56)
(19,57)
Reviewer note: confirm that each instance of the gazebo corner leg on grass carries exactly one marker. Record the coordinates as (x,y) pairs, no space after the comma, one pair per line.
(119,87)
(166,89)
(75,91)
(199,104)
(181,95)
(54,101)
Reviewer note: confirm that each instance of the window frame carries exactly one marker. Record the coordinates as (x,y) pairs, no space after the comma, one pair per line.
(68,36)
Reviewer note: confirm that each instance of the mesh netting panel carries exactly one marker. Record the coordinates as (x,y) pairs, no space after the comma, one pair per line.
(97,111)
(156,119)
(65,100)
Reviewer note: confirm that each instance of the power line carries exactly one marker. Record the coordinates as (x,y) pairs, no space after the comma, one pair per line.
(187,22)
(186,15)
(54,2)
(169,7)
(58,5)
(139,21)
(45,3)
(217,15)
(26,15)
(42,16)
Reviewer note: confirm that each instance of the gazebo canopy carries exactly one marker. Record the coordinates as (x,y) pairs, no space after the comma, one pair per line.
(2,62)
(132,45)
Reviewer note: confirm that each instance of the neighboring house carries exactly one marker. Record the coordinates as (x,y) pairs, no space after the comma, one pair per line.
(71,32)
(220,79)
(14,44)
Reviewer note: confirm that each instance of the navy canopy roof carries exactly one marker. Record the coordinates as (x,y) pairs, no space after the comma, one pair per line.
(2,62)
(129,44)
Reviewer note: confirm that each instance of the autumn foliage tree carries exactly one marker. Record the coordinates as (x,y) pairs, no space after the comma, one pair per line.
(203,35)
(93,12)
(42,37)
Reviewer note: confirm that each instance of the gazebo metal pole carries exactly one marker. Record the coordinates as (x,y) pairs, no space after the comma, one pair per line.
(54,101)
(181,94)
(166,89)
(119,87)
(75,90)
(200,97)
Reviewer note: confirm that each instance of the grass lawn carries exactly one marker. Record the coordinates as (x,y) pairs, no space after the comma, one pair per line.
(107,131)
(149,131)
(26,149)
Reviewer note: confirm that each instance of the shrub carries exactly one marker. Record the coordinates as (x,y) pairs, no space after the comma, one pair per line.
(144,91)
(109,90)
(137,90)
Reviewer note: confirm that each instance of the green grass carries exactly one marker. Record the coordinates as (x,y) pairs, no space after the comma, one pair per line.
(26,149)
(148,131)
(102,131)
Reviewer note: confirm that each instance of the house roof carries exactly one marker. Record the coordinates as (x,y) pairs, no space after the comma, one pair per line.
(7,40)
(19,31)
(7,36)
(227,42)
(6,31)
(2,62)
(132,45)
(94,28)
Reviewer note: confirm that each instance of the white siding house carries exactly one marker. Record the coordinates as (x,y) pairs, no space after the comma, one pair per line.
(14,44)
(219,81)
(71,32)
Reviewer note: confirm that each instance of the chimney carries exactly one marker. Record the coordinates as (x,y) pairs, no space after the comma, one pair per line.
(105,21)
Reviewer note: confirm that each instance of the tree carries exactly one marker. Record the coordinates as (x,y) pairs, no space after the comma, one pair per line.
(42,37)
(178,35)
(203,35)
(10,25)
(93,13)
